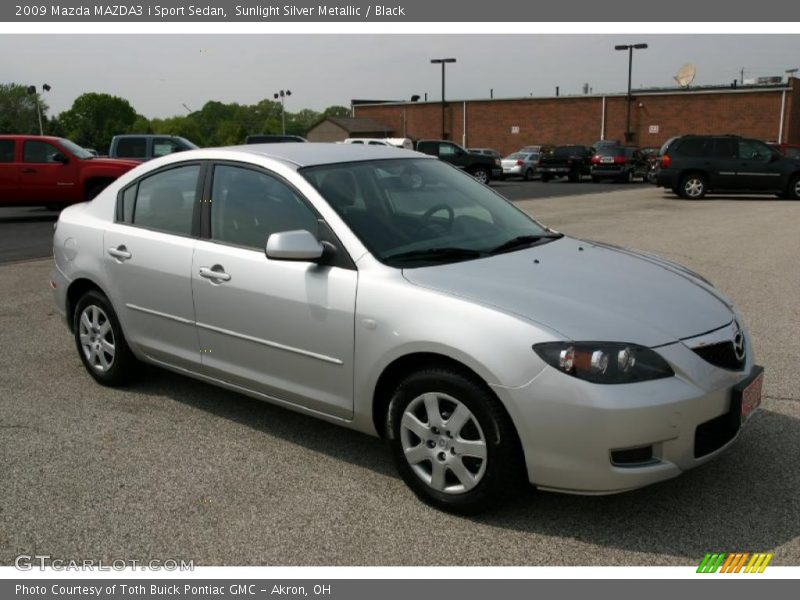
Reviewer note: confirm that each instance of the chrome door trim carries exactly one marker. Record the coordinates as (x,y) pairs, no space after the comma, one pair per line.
(156,313)
(276,345)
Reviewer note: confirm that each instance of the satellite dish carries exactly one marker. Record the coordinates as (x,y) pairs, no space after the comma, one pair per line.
(685,75)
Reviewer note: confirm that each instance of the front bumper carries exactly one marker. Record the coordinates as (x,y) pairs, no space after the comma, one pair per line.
(569,427)
(59,284)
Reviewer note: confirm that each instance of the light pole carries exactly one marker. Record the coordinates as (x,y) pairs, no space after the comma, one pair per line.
(32,90)
(443,62)
(282,94)
(630,48)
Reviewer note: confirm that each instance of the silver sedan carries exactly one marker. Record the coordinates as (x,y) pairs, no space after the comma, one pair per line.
(388,292)
(520,164)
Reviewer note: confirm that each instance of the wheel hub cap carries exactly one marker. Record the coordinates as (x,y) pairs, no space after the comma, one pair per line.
(96,338)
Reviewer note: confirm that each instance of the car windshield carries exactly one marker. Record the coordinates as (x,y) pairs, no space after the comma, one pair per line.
(75,150)
(417,212)
(611,151)
(516,156)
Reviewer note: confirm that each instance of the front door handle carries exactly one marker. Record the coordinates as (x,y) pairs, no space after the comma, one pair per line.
(29,170)
(120,252)
(216,273)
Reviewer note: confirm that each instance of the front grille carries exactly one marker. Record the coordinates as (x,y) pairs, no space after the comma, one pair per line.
(721,355)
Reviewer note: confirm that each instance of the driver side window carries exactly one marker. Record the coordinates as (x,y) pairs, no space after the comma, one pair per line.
(247,206)
(754,150)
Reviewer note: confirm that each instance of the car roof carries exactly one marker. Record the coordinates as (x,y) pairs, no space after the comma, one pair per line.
(311,154)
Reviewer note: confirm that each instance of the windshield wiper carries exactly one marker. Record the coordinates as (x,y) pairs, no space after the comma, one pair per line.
(434,254)
(523,241)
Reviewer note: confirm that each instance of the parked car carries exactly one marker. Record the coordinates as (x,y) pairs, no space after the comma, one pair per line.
(262,138)
(147,147)
(788,150)
(481,167)
(387,292)
(50,171)
(486,151)
(391,142)
(622,163)
(694,165)
(572,162)
(520,164)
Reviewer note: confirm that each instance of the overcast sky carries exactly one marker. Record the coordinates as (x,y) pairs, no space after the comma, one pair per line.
(160,73)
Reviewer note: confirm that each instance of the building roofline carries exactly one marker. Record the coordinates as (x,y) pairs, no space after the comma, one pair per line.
(693,91)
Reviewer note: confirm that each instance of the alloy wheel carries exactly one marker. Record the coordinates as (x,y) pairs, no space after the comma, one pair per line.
(481,176)
(96,338)
(443,443)
(693,187)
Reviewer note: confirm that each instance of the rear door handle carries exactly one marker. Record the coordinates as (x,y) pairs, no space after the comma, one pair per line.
(120,252)
(29,170)
(216,273)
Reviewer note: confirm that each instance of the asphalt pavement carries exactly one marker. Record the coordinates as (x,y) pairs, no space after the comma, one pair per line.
(174,468)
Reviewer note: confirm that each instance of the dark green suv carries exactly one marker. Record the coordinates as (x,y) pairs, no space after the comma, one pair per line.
(694,165)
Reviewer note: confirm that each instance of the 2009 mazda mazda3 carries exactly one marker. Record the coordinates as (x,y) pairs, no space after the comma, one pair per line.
(389,292)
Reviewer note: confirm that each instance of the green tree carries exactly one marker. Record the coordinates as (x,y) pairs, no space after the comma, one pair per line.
(94,119)
(18,110)
(298,123)
(336,111)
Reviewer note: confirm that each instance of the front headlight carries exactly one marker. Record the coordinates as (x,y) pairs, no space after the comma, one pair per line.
(604,362)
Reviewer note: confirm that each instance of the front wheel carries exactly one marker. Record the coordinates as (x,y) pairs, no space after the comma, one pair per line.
(528,174)
(693,187)
(101,344)
(794,188)
(452,442)
(482,175)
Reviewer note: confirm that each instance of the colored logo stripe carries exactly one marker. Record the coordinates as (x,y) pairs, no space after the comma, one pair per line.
(734,562)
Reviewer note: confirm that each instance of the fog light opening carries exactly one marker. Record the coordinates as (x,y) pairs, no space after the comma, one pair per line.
(633,457)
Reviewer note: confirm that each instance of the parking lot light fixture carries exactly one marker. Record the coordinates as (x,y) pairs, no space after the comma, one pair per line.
(32,90)
(630,48)
(282,95)
(443,62)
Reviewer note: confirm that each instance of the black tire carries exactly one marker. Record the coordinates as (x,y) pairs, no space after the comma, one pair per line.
(528,175)
(545,178)
(123,364)
(94,190)
(595,179)
(574,177)
(629,177)
(793,191)
(501,472)
(693,186)
(482,175)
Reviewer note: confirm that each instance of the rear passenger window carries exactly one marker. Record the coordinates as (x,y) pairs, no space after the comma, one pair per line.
(132,147)
(248,206)
(6,151)
(725,148)
(165,201)
(695,147)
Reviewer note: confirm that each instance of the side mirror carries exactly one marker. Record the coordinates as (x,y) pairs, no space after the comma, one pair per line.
(775,157)
(59,158)
(299,245)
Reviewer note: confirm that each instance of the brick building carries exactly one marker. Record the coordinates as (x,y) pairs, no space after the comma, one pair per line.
(767,112)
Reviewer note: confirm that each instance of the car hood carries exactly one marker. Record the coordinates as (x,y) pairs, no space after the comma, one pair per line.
(119,163)
(587,291)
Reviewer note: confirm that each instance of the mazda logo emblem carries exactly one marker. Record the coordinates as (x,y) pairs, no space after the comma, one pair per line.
(738,342)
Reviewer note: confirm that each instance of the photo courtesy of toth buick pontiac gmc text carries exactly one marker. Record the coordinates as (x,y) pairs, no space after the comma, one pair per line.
(391,293)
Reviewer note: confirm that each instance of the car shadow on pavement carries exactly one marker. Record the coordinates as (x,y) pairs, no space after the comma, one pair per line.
(306,431)
(733,198)
(747,499)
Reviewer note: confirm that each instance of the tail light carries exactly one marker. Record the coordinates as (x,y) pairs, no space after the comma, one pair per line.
(596,159)
(619,160)
(520,163)
(666,161)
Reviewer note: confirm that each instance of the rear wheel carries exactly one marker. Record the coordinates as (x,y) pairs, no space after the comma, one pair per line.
(693,186)
(94,189)
(545,178)
(574,177)
(528,174)
(100,342)
(629,177)
(452,441)
(595,179)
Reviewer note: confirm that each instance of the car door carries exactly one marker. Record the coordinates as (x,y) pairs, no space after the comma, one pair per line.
(283,329)
(720,157)
(757,170)
(453,154)
(9,171)
(45,179)
(148,261)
